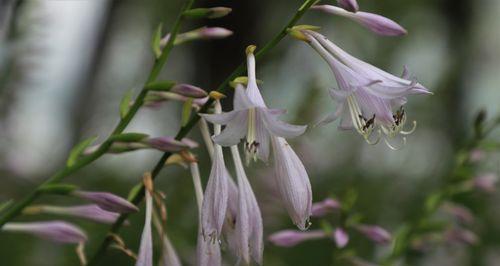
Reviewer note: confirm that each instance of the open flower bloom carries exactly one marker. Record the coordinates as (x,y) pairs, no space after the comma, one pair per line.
(293,183)
(376,23)
(57,231)
(249,229)
(367,95)
(207,252)
(252,118)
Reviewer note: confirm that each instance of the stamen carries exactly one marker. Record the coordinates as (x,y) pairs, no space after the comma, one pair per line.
(393,147)
(408,132)
(251,146)
(376,141)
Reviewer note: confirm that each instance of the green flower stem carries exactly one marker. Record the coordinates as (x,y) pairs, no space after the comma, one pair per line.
(16,208)
(139,195)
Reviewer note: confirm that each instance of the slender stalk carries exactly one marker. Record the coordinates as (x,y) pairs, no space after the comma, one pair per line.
(139,195)
(16,208)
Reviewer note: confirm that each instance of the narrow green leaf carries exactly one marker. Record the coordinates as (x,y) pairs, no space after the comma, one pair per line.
(78,150)
(5,205)
(134,191)
(128,137)
(62,189)
(125,103)
(155,41)
(164,85)
(186,111)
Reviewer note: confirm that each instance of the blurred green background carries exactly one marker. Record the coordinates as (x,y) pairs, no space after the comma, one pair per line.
(64,66)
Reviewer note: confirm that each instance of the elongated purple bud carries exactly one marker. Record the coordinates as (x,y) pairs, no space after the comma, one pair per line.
(170,144)
(375,233)
(90,212)
(57,231)
(107,201)
(349,5)
(340,237)
(290,238)
(322,208)
(188,90)
(214,33)
(376,23)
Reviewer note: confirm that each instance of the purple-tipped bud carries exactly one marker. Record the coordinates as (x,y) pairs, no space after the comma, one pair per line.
(461,213)
(322,208)
(170,144)
(57,231)
(107,201)
(214,33)
(189,91)
(349,5)
(341,237)
(91,212)
(459,235)
(486,182)
(290,238)
(375,233)
(376,23)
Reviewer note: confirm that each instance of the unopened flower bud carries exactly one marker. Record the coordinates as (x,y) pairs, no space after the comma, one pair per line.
(461,213)
(290,238)
(189,91)
(375,233)
(57,231)
(322,208)
(486,182)
(170,144)
(90,212)
(212,12)
(341,237)
(107,201)
(459,235)
(349,5)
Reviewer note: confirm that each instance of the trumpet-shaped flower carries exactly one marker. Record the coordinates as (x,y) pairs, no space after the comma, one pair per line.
(249,229)
(293,183)
(252,119)
(367,95)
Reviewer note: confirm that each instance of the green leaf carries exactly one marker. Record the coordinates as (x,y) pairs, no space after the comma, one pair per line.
(5,205)
(128,137)
(155,41)
(164,85)
(134,191)
(78,150)
(186,111)
(433,201)
(61,189)
(125,103)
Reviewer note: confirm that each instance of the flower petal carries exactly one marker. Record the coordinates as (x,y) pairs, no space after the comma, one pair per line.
(234,131)
(278,127)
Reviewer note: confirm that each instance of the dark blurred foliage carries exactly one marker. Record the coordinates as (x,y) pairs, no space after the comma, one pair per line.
(41,119)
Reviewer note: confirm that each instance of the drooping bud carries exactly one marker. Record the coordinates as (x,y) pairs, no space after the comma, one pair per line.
(57,231)
(340,237)
(107,201)
(212,12)
(189,91)
(90,212)
(170,144)
(290,238)
(322,208)
(376,23)
(349,5)
(375,233)
(203,33)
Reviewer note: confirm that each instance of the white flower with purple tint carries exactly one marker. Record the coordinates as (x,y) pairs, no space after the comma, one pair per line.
(376,23)
(251,119)
(293,183)
(367,96)
(107,201)
(248,227)
(57,231)
(290,238)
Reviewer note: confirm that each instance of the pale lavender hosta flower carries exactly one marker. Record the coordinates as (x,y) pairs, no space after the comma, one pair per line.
(57,231)
(376,23)
(340,237)
(249,229)
(367,95)
(252,119)
(207,252)
(107,201)
(349,5)
(215,198)
(170,144)
(90,212)
(290,238)
(188,90)
(375,233)
(486,182)
(145,255)
(293,183)
(322,208)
